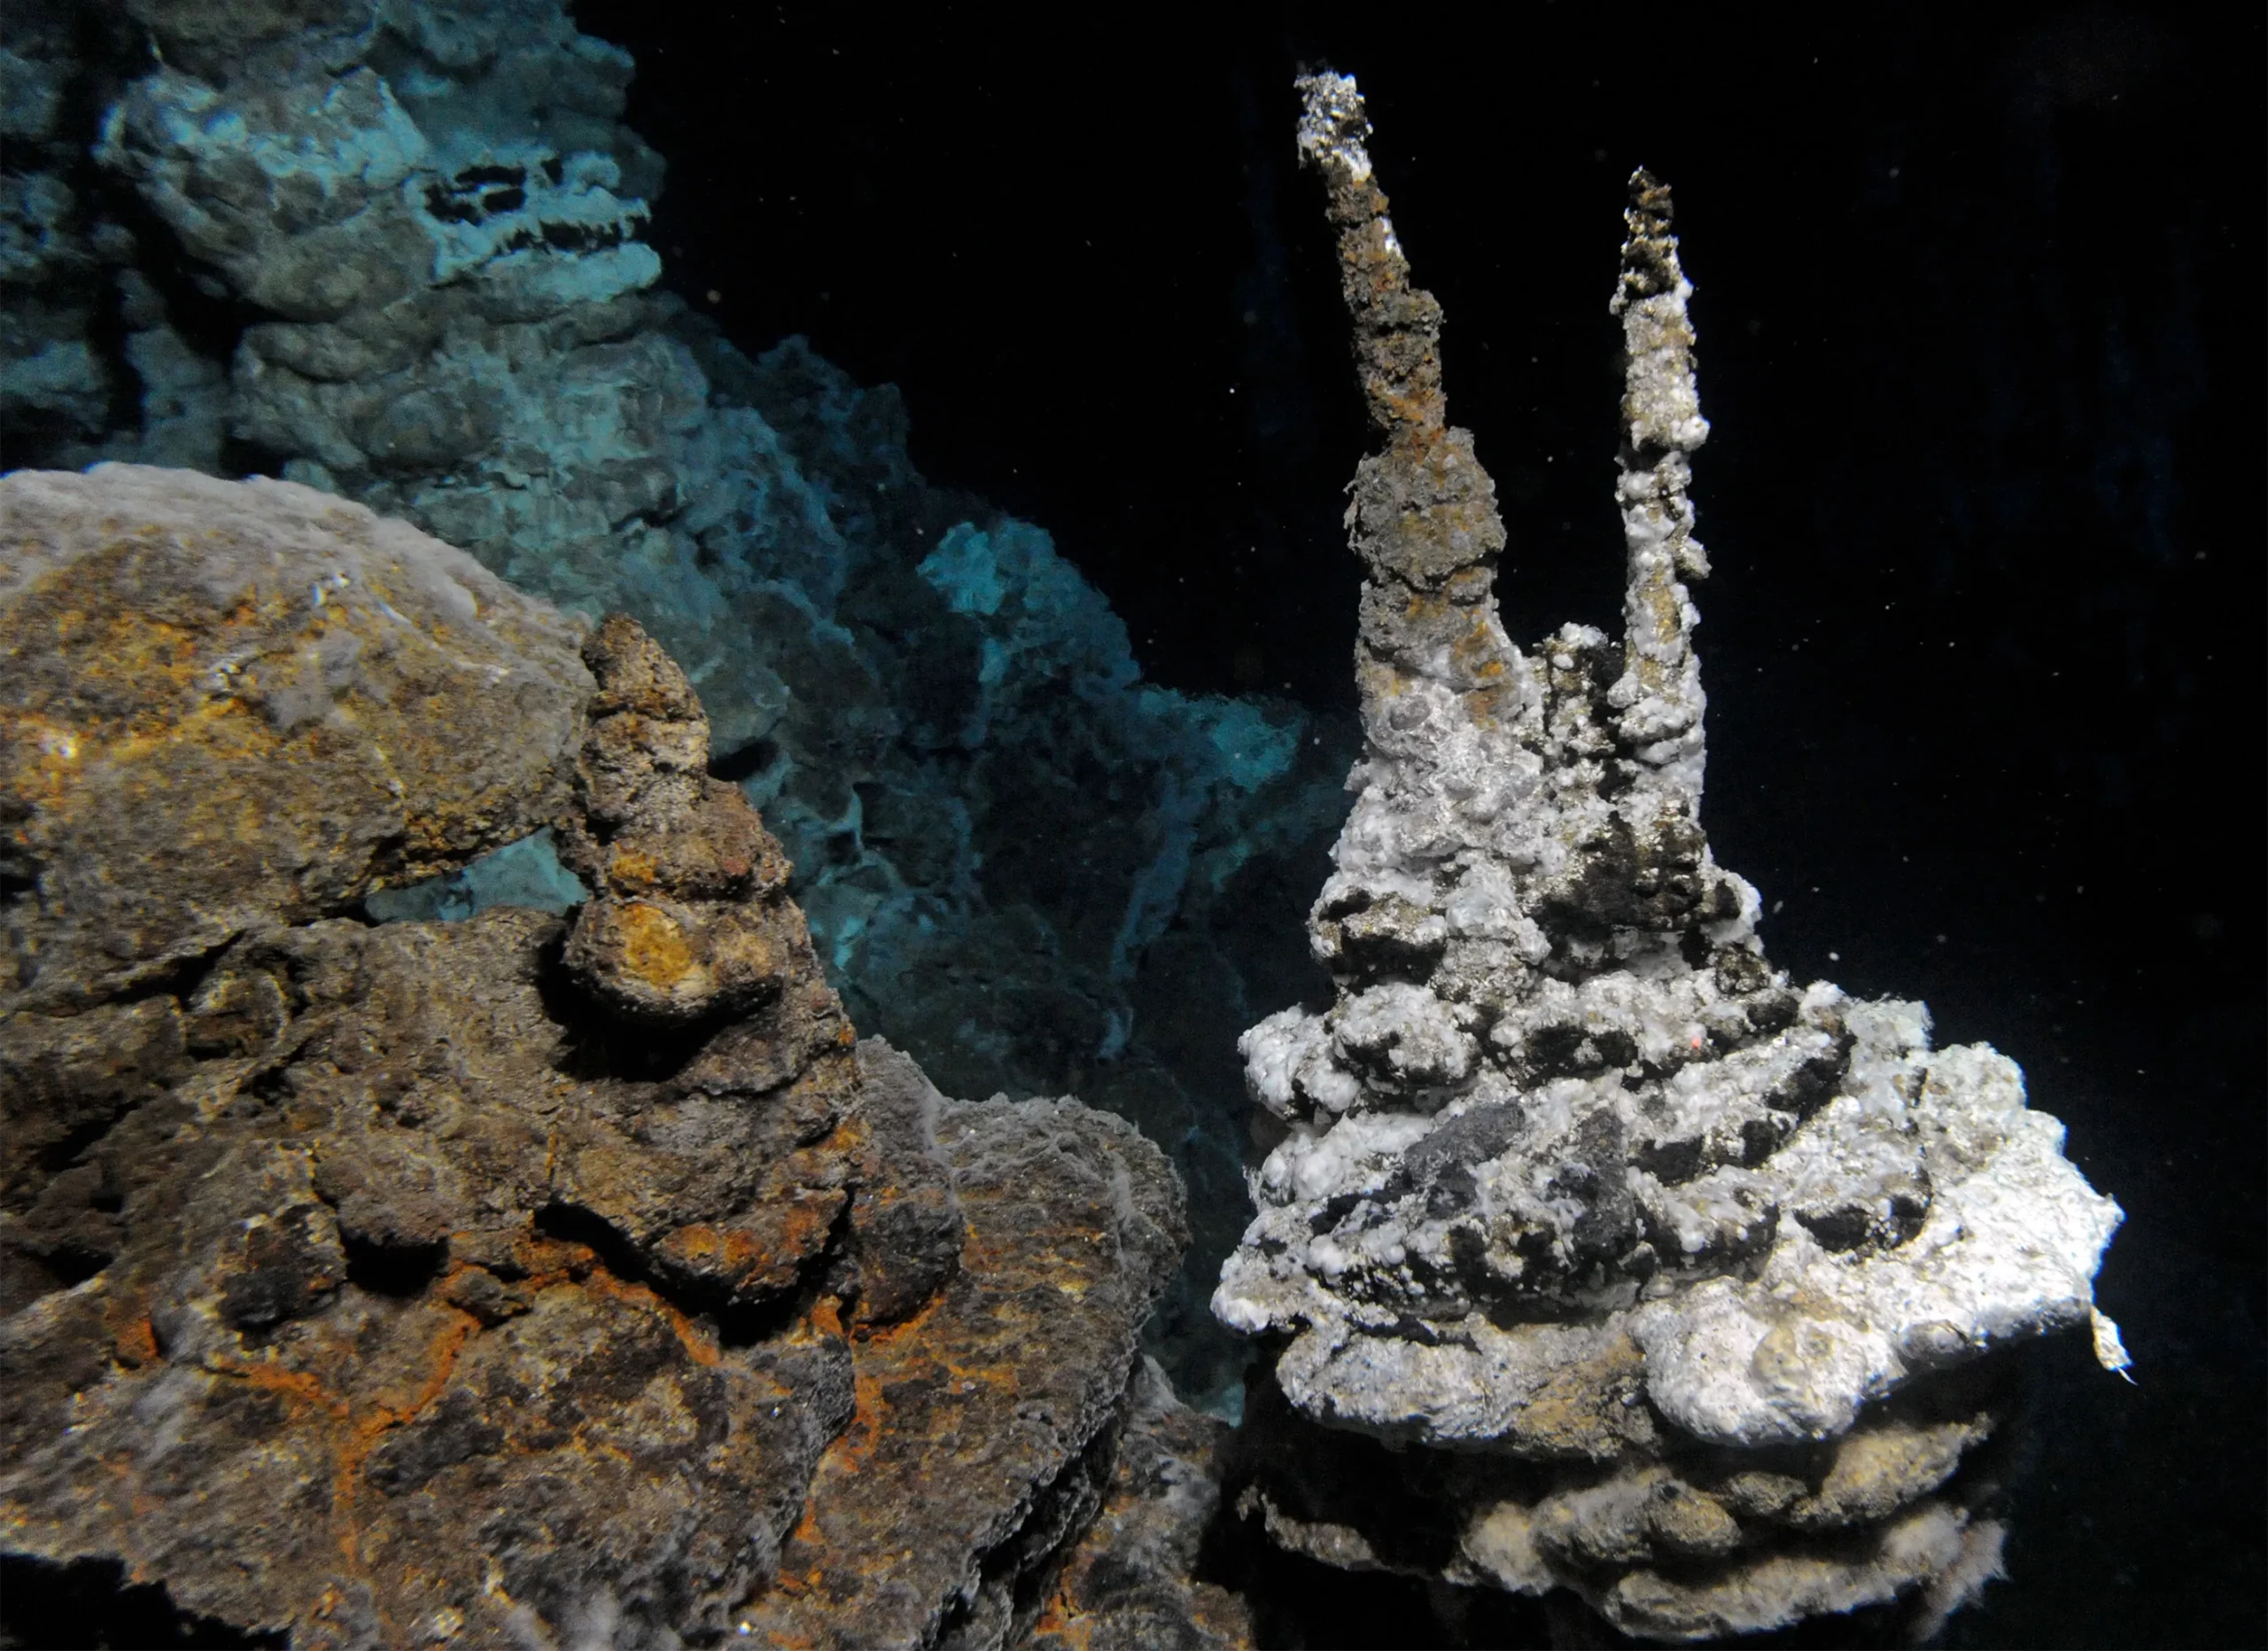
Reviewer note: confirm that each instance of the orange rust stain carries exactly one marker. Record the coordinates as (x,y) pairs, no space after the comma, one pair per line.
(998,1380)
(731,1250)
(1063,1620)
(136,1344)
(653,946)
(879,1343)
(365,1426)
(796,1231)
(869,1417)
(379,1419)
(294,1386)
(441,1359)
(632,868)
(547,1261)
(699,1345)
(805,1227)
(1045,1256)
(807,1534)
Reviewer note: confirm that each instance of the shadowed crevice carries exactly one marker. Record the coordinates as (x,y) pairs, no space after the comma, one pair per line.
(90,1603)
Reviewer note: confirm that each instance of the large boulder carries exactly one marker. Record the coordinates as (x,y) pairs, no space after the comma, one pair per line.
(531,1277)
(228,705)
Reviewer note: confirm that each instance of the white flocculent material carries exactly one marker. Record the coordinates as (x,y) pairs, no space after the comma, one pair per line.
(1563,1113)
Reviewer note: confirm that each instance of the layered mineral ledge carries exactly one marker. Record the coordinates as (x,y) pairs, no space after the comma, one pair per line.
(1679,1284)
(399,251)
(519,1280)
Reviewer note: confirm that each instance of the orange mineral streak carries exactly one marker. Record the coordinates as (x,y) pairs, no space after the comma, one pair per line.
(632,868)
(298,1389)
(1488,707)
(805,1228)
(880,1356)
(1063,1622)
(797,1230)
(131,646)
(724,1250)
(699,1345)
(1476,650)
(366,1428)
(136,1343)
(1404,408)
(653,946)
(359,1430)
(554,1263)
(869,1422)
(544,1262)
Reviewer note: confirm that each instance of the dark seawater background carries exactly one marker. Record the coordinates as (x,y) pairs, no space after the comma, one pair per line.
(1979,305)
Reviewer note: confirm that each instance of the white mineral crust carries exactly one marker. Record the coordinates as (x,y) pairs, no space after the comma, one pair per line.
(1562,1111)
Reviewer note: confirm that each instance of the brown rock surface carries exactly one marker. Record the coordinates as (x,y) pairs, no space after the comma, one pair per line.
(690,918)
(985,1424)
(229,704)
(481,1282)
(1129,1584)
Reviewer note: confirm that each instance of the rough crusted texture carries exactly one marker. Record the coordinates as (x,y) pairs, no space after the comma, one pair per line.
(688,917)
(1901,1513)
(300,701)
(985,1424)
(374,1263)
(1129,1585)
(374,1257)
(385,1284)
(907,1228)
(426,228)
(1568,1171)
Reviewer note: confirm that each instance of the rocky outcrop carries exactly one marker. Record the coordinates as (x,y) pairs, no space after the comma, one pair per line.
(520,1278)
(910,1538)
(1677,1284)
(1135,1581)
(349,705)
(399,253)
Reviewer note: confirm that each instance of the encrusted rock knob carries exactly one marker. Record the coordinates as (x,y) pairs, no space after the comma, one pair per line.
(688,920)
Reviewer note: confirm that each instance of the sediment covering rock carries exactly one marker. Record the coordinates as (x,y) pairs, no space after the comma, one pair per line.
(525,1278)
(1674,1283)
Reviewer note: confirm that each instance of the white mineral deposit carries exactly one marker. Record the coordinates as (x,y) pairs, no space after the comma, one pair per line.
(1568,1176)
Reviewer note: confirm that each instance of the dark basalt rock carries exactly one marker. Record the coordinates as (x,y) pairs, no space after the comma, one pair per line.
(1131,1583)
(984,1424)
(522,1278)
